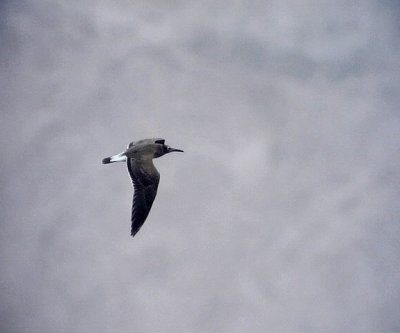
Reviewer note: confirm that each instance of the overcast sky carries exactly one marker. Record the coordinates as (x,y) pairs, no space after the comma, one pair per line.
(283,213)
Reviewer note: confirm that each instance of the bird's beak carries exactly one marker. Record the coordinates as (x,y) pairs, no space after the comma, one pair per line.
(170,150)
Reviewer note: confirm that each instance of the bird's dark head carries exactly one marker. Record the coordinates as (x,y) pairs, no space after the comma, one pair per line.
(164,149)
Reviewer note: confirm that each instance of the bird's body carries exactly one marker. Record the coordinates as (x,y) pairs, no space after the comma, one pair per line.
(145,177)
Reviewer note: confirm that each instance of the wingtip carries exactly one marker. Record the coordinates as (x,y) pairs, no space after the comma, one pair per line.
(134,231)
(106,160)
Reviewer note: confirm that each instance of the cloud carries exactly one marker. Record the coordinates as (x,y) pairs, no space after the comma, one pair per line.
(282,213)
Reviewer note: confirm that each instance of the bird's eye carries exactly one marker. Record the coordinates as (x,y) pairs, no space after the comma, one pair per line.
(161,142)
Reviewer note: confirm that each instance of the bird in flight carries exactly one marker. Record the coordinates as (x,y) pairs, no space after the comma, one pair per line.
(145,177)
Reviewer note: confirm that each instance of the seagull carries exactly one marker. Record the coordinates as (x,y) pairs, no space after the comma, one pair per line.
(145,177)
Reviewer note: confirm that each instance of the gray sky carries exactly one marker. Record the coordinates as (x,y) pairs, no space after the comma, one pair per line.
(281,215)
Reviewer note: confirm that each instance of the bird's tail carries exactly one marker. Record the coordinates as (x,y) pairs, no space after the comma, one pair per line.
(116,158)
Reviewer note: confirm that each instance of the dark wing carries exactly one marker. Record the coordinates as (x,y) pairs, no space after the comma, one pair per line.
(149,141)
(145,179)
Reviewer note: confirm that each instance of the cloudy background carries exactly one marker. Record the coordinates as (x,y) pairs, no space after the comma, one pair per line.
(281,215)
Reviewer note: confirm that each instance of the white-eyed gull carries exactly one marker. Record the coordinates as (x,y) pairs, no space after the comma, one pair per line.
(145,177)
